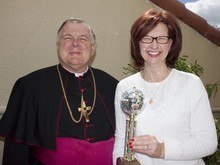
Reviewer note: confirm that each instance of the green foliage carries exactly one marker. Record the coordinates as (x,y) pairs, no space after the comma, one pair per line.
(214,159)
(197,69)
(212,89)
(194,68)
(182,65)
(130,69)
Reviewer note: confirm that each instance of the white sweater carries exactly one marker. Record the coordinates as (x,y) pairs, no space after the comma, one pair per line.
(180,117)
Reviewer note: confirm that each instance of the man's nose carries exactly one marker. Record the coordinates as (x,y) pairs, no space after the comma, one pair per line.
(75,42)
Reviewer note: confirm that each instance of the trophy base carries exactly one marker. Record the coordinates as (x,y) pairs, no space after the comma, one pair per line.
(122,161)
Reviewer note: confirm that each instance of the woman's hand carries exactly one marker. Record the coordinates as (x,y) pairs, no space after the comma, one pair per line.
(147,145)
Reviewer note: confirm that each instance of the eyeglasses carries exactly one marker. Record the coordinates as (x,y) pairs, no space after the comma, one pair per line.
(159,39)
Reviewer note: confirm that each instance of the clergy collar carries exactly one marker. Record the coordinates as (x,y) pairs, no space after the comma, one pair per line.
(76,74)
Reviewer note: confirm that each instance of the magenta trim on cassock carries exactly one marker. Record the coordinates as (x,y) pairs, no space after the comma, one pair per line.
(76,152)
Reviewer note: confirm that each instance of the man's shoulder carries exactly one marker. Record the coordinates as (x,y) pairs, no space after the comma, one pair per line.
(43,72)
(43,75)
(101,74)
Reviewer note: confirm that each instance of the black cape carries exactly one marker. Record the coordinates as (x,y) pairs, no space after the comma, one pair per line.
(32,118)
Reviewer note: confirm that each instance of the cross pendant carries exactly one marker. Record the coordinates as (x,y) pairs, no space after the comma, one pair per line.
(84,109)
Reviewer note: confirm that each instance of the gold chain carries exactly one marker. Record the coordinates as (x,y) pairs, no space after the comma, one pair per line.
(67,102)
(151,101)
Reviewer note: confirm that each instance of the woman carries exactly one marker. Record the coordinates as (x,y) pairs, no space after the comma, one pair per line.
(175,125)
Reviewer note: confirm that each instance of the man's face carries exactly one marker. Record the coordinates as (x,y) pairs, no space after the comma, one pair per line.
(74,47)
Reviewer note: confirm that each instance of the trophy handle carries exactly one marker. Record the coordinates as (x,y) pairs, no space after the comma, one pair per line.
(128,158)
(129,134)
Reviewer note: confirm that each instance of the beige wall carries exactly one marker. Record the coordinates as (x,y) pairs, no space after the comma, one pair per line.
(28,33)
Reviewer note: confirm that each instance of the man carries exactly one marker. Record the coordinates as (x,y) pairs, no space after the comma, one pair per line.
(62,114)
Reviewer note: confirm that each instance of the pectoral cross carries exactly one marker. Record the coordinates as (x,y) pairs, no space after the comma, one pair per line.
(84,109)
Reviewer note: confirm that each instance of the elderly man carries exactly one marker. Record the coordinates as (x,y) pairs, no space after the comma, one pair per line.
(63,114)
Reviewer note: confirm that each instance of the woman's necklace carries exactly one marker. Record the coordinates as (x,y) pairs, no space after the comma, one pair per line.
(151,98)
(84,110)
(151,101)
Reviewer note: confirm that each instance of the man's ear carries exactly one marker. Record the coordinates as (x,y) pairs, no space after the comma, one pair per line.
(93,49)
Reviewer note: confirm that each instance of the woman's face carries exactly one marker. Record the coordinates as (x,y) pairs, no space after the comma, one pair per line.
(155,46)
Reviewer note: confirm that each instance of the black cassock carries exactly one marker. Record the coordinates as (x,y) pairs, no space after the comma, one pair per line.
(37,113)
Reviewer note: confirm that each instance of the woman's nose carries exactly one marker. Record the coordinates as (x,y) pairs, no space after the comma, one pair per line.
(154,44)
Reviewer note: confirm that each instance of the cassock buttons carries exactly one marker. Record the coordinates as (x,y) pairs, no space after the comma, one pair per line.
(87,125)
(89,139)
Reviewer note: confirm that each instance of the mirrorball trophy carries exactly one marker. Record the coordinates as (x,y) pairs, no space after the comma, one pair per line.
(131,104)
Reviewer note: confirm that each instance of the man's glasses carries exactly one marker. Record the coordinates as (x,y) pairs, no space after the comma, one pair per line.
(159,39)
